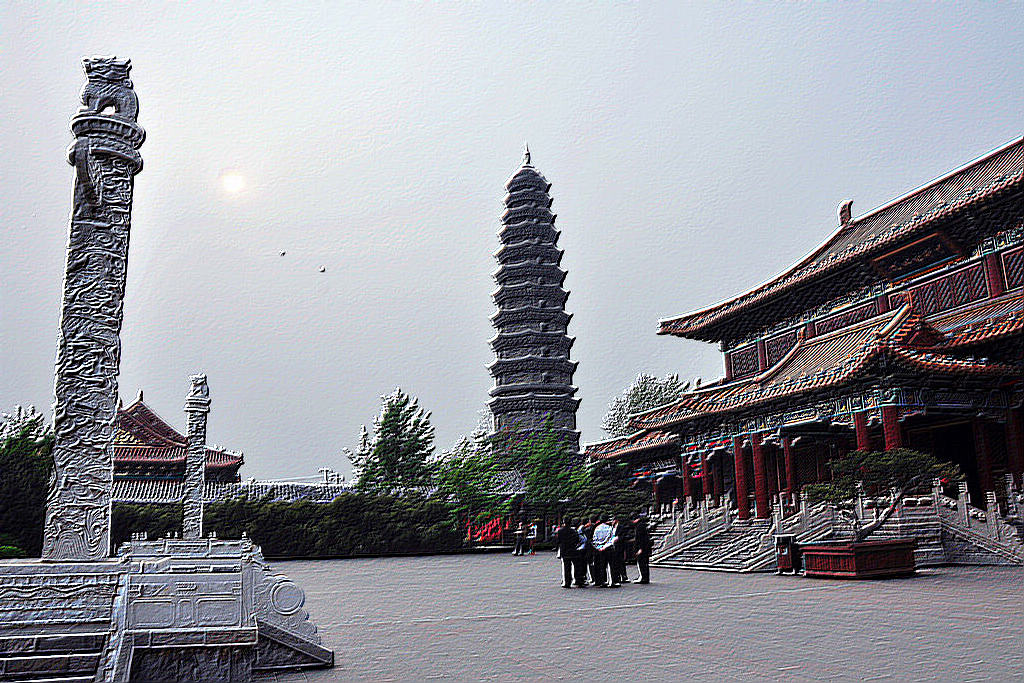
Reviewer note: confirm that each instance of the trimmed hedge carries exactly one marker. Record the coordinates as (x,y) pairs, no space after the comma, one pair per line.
(353,524)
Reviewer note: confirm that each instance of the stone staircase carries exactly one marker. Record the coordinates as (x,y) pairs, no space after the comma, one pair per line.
(727,550)
(922,525)
(46,654)
(947,531)
(55,620)
(660,528)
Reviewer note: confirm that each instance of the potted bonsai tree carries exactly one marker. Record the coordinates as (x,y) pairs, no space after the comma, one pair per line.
(888,474)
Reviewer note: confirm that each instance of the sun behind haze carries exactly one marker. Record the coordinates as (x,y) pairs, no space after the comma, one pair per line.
(233,182)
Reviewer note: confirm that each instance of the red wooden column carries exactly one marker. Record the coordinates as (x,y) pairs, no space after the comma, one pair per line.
(792,487)
(705,476)
(1015,443)
(771,469)
(994,275)
(760,479)
(982,455)
(860,427)
(891,428)
(742,492)
(716,480)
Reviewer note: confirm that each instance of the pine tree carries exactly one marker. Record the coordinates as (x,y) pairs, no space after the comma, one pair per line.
(397,455)
(549,468)
(468,475)
(646,392)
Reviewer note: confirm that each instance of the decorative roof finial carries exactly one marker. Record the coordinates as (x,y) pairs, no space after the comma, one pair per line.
(526,154)
(845,212)
(139,399)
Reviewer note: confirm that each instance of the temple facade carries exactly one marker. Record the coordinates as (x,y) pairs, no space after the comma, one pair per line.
(147,448)
(905,328)
(532,370)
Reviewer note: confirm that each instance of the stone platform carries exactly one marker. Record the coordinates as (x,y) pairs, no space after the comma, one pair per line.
(168,610)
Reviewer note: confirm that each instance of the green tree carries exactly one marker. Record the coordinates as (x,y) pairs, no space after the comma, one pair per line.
(605,488)
(26,445)
(551,471)
(397,455)
(646,392)
(892,473)
(468,477)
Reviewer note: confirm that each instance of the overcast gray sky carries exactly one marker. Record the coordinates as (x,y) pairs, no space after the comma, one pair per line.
(694,150)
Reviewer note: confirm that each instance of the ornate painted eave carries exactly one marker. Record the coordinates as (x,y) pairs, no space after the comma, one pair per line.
(997,174)
(823,362)
(639,443)
(995,319)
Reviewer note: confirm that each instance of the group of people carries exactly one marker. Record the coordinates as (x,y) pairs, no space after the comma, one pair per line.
(603,546)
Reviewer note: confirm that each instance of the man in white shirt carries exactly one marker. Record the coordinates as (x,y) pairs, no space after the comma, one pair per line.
(604,546)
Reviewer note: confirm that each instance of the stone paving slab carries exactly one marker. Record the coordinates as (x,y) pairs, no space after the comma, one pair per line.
(497,617)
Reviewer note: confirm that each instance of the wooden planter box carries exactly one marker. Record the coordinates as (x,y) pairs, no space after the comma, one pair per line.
(864,560)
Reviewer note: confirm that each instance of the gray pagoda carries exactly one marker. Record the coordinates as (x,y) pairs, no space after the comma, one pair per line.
(532,371)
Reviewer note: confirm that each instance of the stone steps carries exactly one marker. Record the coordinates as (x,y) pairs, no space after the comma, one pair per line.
(54,656)
(728,550)
(50,666)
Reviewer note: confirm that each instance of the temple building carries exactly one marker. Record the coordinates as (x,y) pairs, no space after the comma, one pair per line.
(905,328)
(532,370)
(146,447)
(149,466)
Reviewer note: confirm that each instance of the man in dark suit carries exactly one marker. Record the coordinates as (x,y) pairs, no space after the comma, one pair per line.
(642,543)
(618,567)
(567,539)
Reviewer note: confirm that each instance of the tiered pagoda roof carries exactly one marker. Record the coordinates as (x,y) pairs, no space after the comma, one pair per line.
(850,257)
(532,370)
(146,447)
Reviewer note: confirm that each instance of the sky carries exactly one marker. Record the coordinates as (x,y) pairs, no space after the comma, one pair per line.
(694,150)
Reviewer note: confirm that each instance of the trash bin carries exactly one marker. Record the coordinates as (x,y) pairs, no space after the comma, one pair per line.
(785,554)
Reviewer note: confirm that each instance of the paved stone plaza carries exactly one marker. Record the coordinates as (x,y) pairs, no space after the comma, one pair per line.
(497,617)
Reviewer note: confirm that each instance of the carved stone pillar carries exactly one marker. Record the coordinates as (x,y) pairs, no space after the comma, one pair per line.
(197,407)
(687,483)
(891,428)
(742,493)
(761,496)
(963,500)
(106,158)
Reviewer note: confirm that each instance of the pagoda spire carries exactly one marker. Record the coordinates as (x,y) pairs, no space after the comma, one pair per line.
(532,369)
